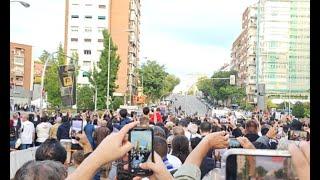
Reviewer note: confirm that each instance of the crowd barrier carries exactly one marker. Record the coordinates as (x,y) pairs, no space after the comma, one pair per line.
(19,157)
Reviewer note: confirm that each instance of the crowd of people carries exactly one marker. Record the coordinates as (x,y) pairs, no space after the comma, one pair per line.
(186,147)
(23,107)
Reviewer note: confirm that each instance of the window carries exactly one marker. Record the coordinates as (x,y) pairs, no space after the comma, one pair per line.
(100,29)
(100,40)
(87,52)
(18,60)
(86,63)
(88,17)
(74,16)
(74,39)
(102,6)
(102,17)
(87,29)
(74,28)
(87,40)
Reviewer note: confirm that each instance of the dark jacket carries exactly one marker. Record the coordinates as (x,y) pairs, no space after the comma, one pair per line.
(206,166)
(122,123)
(252,137)
(63,131)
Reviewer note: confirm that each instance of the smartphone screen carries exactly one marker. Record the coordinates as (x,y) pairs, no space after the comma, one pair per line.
(298,135)
(142,140)
(259,167)
(234,143)
(76,126)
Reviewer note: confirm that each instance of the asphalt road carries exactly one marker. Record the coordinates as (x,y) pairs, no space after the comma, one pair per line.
(189,103)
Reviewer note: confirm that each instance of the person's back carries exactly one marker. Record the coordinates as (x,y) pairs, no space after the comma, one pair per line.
(64,128)
(89,129)
(27,133)
(42,131)
(54,128)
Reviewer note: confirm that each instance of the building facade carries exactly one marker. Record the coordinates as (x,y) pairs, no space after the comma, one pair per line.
(283,53)
(84,23)
(21,66)
(243,53)
(275,42)
(125,32)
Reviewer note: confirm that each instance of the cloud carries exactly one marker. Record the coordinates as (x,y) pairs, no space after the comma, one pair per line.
(190,36)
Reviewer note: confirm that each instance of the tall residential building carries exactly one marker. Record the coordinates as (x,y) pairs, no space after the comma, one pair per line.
(275,42)
(84,23)
(125,31)
(243,53)
(21,66)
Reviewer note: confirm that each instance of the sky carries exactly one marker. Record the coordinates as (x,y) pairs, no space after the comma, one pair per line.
(187,36)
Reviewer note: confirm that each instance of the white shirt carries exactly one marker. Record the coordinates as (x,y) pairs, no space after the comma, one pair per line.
(27,132)
(187,134)
(43,130)
(176,163)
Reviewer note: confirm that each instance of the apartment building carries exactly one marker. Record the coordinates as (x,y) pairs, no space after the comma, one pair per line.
(275,42)
(21,66)
(125,31)
(243,53)
(84,23)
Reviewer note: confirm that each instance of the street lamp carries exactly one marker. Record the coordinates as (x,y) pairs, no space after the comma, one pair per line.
(108,78)
(25,4)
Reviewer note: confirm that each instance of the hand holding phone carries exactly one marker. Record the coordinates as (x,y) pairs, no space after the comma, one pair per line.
(142,151)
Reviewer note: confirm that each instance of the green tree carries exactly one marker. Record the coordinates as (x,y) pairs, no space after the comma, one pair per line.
(306,109)
(220,89)
(116,102)
(85,98)
(45,55)
(153,79)
(298,110)
(270,104)
(170,82)
(52,81)
(100,75)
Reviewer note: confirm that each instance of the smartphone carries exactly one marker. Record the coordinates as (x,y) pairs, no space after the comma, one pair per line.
(76,127)
(142,140)
(296,135)
(234,143)
(258,164)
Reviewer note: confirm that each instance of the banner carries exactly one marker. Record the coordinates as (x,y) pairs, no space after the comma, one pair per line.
(68,85)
